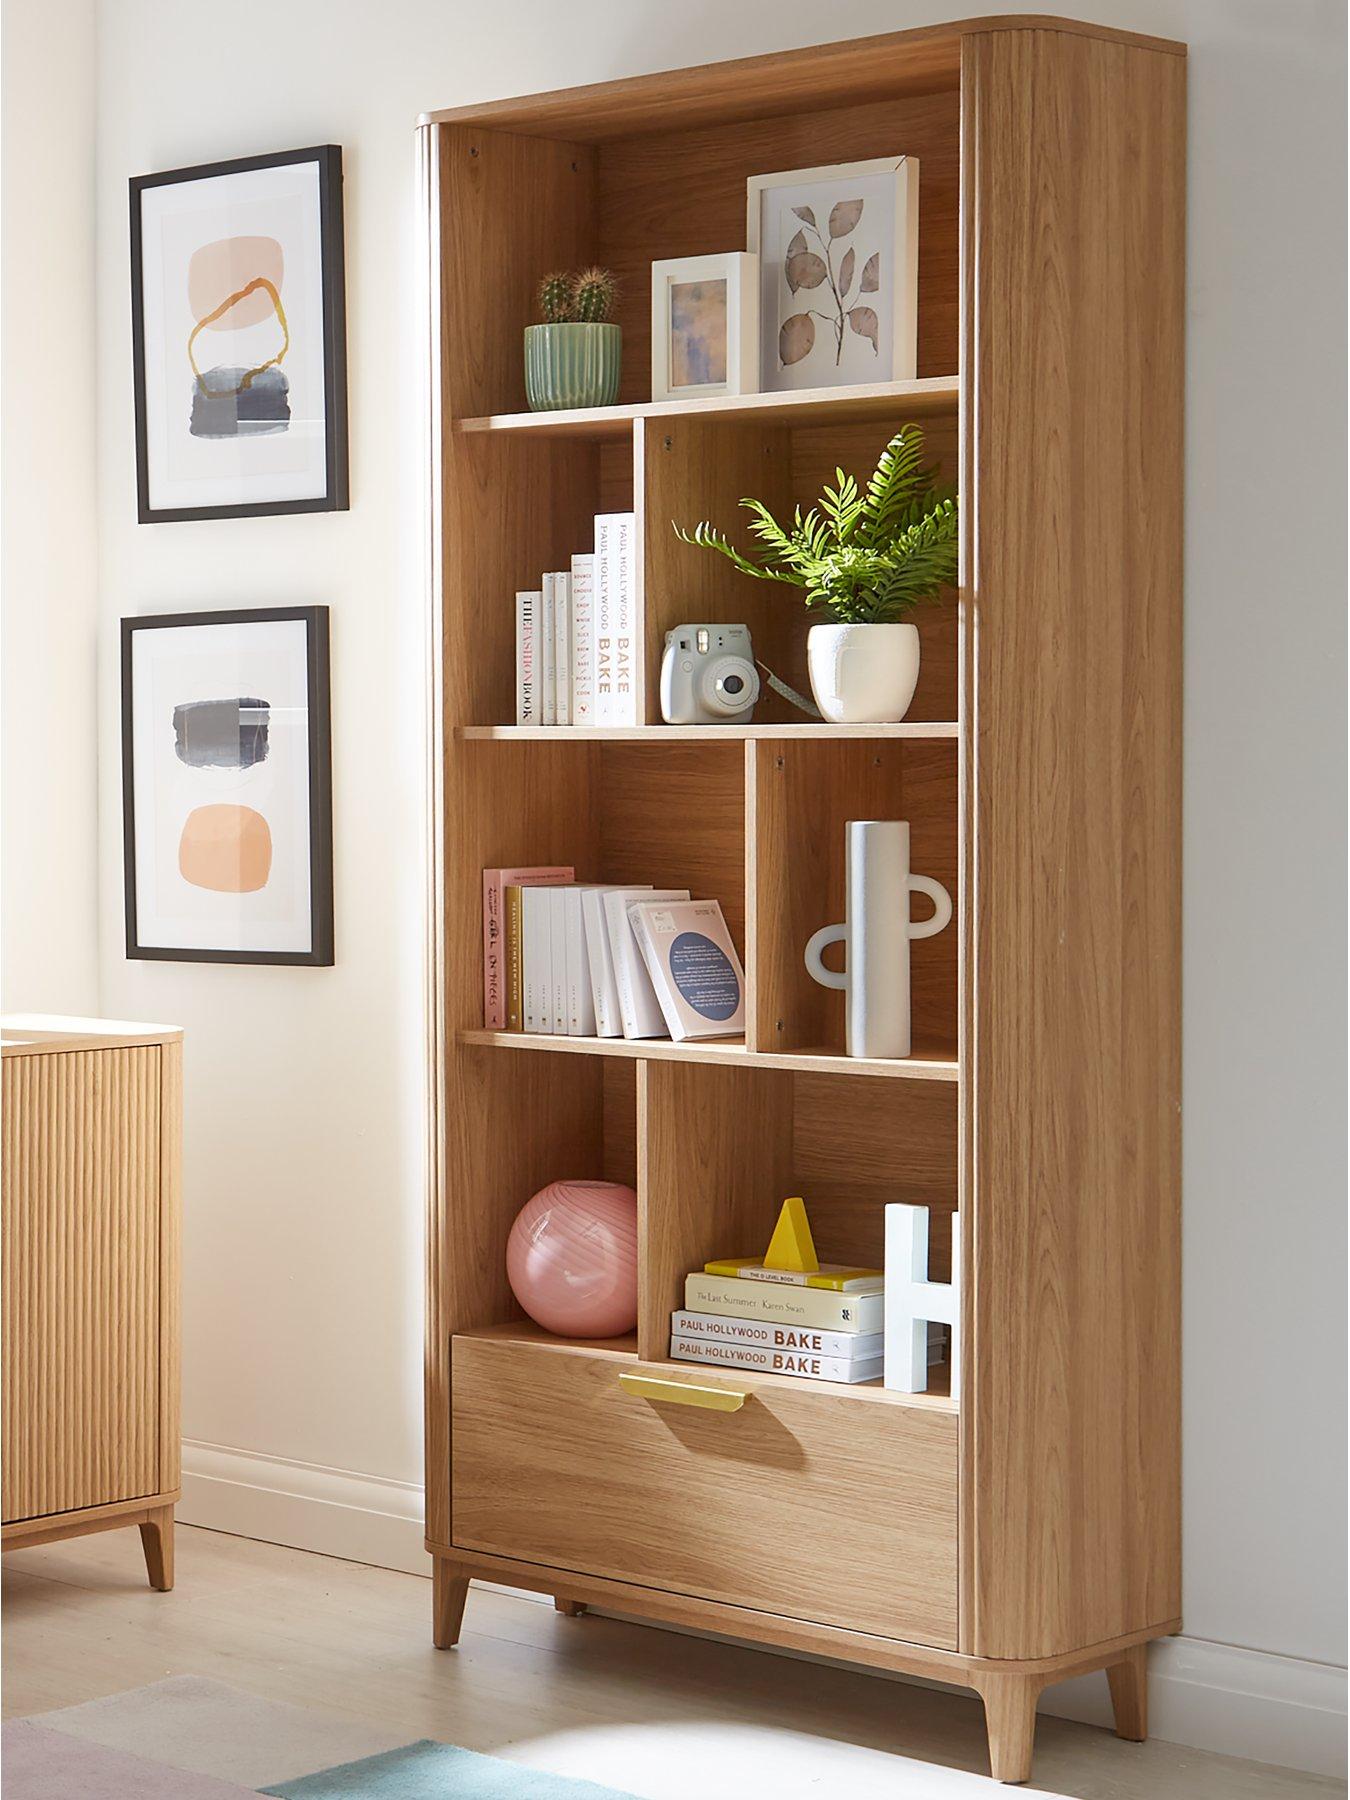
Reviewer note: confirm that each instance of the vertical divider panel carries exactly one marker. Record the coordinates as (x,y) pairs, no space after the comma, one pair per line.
(693,469)
(715,1160)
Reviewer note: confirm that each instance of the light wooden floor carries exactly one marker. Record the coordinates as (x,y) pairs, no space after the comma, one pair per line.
(659,1715)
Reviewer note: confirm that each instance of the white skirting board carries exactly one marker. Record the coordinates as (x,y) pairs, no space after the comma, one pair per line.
(1272,1709)
(362,1518)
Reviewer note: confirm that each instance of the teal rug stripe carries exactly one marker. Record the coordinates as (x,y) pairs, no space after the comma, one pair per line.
(432,1771)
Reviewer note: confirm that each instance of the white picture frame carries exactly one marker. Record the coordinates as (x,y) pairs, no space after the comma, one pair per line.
(867,329)
(705,326)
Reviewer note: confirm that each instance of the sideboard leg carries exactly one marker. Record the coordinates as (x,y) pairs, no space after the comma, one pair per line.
(570,1609)
(157,1543)
(1129,1693)
(1010,1719)
(449,1591)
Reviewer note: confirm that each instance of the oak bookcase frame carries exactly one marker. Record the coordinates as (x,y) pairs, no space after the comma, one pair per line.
(1037,1512)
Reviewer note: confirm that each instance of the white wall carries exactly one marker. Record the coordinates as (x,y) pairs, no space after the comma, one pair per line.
(304,1134)
(48,569)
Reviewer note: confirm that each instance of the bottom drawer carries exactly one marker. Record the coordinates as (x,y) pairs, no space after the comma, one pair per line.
(816,1505)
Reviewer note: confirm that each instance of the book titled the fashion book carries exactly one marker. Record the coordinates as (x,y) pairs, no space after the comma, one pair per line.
(496,946)
(529,650)
(777,1362)
(694,969)
(766,1300)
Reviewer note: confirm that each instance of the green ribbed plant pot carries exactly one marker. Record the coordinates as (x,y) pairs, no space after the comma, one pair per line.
(572,365)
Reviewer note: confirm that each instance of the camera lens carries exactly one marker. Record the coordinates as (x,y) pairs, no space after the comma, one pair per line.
(733,684)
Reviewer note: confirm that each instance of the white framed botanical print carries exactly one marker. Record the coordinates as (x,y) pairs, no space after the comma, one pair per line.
(239,338)
(226,786)
(705,326)
(838,251)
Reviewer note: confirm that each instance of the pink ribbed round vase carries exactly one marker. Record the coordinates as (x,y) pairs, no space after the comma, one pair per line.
(571,1258)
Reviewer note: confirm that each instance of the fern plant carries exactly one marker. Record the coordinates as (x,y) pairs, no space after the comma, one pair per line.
(866,556)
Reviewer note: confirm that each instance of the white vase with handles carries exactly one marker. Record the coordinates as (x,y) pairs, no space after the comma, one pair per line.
(863,674)
(876,936)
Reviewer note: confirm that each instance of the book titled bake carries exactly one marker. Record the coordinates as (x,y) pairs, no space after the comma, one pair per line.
(694,969)
(616,612)
(719,1328)
(496,947)
(777,1362)
(765,1300)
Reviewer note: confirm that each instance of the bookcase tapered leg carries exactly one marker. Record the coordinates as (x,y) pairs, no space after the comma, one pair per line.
(157,1545)
(1129,1693)
(570,1609)
(449,1591)
(1010,1720)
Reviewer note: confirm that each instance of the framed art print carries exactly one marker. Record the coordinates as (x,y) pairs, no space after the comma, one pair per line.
(838,252)
(226,786)
(705,326)
(239,338)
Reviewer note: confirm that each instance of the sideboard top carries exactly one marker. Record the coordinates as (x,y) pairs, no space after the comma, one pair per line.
(819,76)
(33,1034)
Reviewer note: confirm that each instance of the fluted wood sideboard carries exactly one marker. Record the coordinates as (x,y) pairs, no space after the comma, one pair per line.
(92,1129)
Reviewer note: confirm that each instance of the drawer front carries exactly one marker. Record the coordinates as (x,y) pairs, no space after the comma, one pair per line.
(81,1279)
(818,1506)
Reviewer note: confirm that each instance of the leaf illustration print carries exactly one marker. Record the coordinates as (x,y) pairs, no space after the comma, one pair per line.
(808,269)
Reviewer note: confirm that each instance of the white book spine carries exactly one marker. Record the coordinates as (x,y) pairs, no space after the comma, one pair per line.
(528,710)
(625,620)
(583,640)
(604,991)
(580,1001)
(776,1362)
(536,958)
(557,924)
(562,641)
(603,654)
(638,1006)
(548,674)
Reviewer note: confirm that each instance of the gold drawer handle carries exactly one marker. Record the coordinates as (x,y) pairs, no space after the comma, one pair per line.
(683,1393)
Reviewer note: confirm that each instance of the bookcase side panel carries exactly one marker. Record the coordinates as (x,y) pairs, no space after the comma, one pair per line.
(1074,196)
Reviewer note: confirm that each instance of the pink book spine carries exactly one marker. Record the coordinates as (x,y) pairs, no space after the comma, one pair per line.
(495,884)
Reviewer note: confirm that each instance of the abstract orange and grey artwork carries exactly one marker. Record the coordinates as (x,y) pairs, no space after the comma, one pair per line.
(234,287)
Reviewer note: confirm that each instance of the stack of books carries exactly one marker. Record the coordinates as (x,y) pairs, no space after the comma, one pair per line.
(823,1326)
(591,960)
(576,635)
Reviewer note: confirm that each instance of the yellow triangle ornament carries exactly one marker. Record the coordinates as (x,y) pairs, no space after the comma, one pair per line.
(791,1246)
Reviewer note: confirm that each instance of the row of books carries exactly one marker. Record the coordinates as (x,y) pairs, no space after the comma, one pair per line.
(823,1326)
(583,960)
(576,635)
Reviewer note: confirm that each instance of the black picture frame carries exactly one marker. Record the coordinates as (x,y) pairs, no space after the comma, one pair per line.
(319,721)
(333,266)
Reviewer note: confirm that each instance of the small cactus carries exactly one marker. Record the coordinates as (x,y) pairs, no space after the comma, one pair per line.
(593,296)
(556,298)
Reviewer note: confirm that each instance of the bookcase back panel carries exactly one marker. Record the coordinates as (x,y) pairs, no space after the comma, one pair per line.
(515,1121)
(804,793)
(723,1148)
(512,510)
(673,815)
(511,209)
(683,193)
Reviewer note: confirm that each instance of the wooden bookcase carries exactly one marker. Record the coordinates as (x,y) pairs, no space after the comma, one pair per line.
(1027,1528)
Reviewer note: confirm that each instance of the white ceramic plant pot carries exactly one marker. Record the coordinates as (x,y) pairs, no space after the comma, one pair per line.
(876,935)
(863,674)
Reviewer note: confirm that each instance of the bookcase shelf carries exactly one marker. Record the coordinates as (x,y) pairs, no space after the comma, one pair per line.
(730,1052)
(929,398)
(936,729)
(1027,1527)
